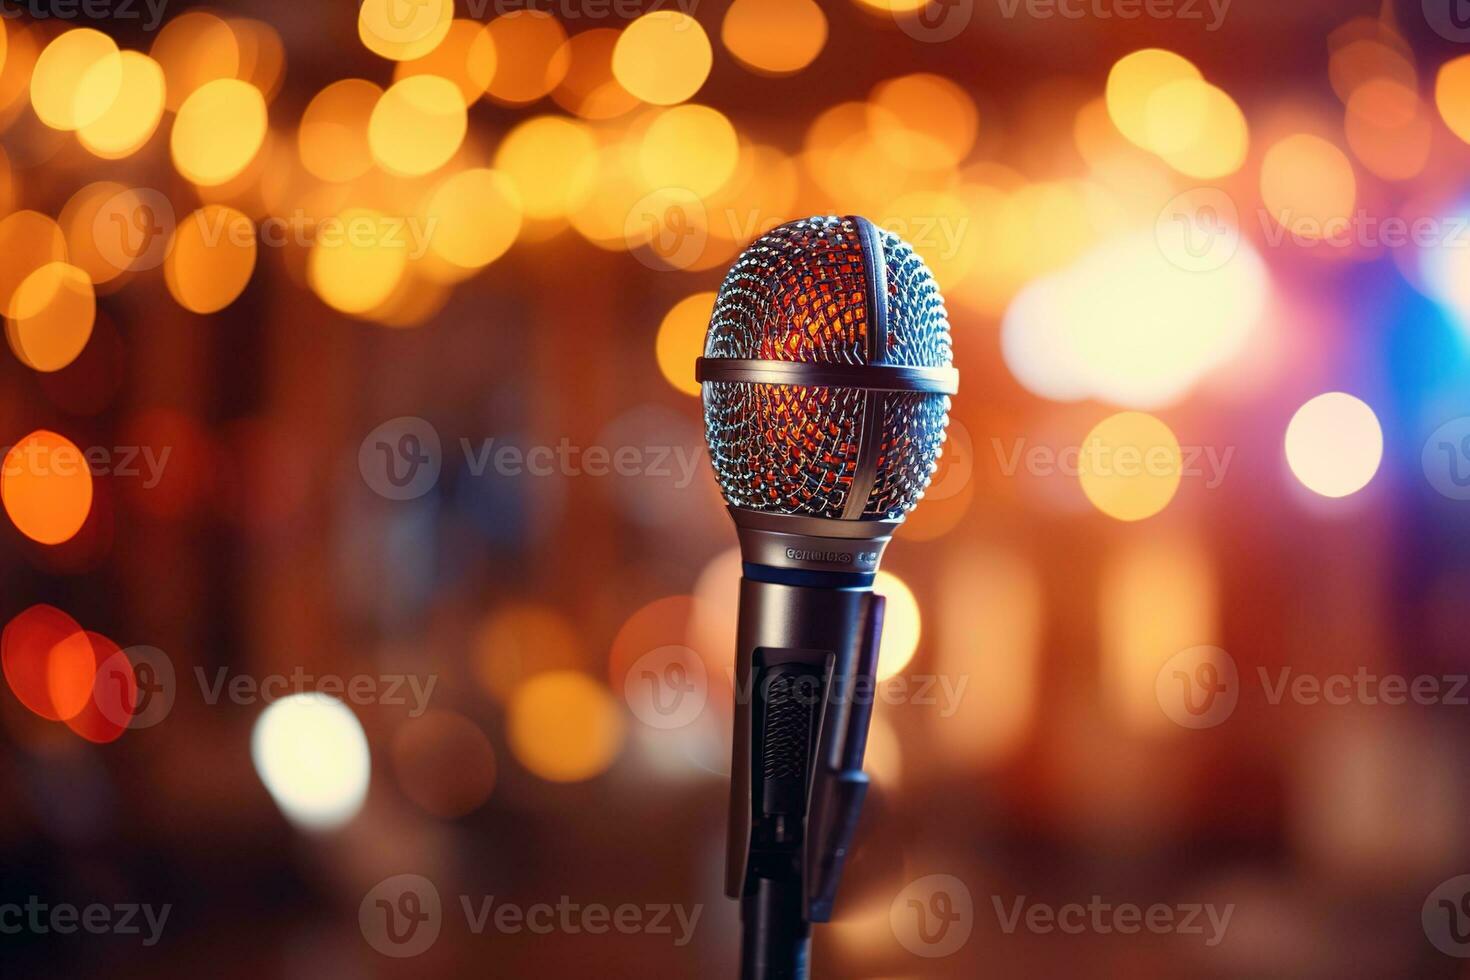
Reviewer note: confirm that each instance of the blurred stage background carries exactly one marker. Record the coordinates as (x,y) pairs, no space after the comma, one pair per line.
(321,265)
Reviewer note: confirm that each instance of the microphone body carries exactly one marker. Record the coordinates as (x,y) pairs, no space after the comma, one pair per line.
(826,382)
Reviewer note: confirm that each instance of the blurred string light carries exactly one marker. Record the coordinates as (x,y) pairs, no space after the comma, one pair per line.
(552,162)
(50,316)
(902,625)
(1161,103)
(663,57)
(385,31)
(417,125)
(1108,326)
(46,487)
(357,270)
(76,79)
(1130,466)
(589,89)
(466,56)
(475,216)
(531,56)
(210,259)
(1452,95)
(312,756)
(1308,186)
(193,49)
(689,147)
(333,136)
(1334,444)
(681,340)
(135,112)
(48,662)
(204,150)
(564,726)
(774,37)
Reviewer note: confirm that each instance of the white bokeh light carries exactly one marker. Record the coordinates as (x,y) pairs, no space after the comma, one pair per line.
(311,754)
(1334,444)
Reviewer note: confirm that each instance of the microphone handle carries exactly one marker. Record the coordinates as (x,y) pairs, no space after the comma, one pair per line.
(796,782)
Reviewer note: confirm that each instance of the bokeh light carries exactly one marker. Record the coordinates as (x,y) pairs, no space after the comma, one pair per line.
(385,31)
(133,117)
(1308,186)
(76,79)
(194,48)
(1334,444)
(417,125)
(681,340)
(589,88)
(48,662)
(1132,83)
(663,57)
(1130,465)
(312,756)
(774,37)
(475,216)
(50,317)
(924,122)
(218,131)
(564,726)
(357,266)
(518,640)
(902,625)
(1452,95)
(689,147)
(46,487)
(333,138)
(211,258)
(105,715)
(466,57)
(552,161)
(531,56)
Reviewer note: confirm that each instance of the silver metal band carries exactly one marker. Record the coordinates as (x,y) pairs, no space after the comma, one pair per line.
(873,377)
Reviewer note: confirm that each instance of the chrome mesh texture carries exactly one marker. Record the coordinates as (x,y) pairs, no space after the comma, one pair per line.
(799,294)
(918,327)
(796,294)
(783,448)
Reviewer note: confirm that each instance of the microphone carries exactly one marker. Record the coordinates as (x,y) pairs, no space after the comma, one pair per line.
(826,378)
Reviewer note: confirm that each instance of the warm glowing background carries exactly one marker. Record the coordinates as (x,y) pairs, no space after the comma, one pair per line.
(243,242)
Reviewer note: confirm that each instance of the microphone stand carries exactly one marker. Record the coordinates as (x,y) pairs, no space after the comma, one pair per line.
(806,666)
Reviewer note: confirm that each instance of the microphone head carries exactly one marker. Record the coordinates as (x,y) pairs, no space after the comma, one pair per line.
(827,373)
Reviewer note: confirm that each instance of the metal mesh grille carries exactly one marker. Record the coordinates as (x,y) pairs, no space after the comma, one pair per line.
(796,294)
(782,448)
(918,327)
(799,294)
(913,434)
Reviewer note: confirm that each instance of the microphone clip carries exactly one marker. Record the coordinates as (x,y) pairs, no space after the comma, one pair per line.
(797,783)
